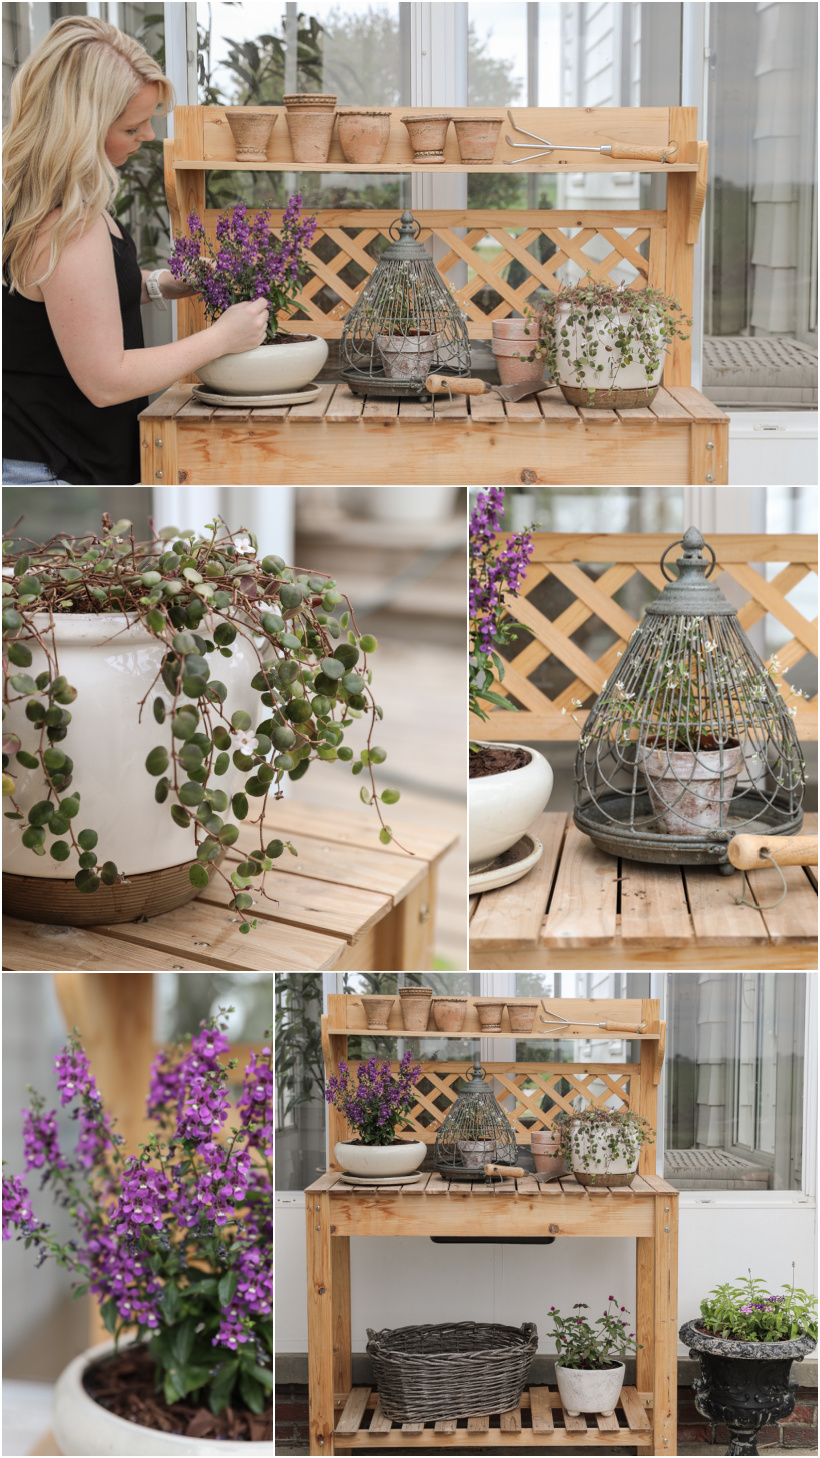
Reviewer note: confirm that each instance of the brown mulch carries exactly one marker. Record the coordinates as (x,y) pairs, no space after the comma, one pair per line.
(494,759)
(124,1385)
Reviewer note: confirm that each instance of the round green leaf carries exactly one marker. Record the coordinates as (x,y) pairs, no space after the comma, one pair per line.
(347,654)
(19,655)
(241,720)
(185,643)
(377,755)
(155,620)
(159,710)
(239,805)
(41,813)
(58,824)
(288,671)
(12,621)
(229,834)
(21,566)
(390,797)
(222,739)
(224,634)
(54,759)
(332,668)
(368,643)
(298,711)
(161,790)
(60,850)
(198,876)
(222,763)
(191,793)
(88,860)
(85,881)
(33,836)
(273,565)
(274,849)
(290,596)
(108,873)
(180,817)
(23,683)
(273,623)
(157,761)
(219,800)
(87,839)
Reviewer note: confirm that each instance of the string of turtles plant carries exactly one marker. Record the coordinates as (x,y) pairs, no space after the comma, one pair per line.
(195,595)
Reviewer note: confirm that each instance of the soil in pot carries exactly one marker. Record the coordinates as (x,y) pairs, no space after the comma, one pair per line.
(496,759)
(124,1385)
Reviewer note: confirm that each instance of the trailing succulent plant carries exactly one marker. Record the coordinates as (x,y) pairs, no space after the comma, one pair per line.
(195,595)
(652,320)
(616,1134)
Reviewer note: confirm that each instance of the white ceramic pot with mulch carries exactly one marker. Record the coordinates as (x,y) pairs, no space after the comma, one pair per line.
(84,1427)
(509,786)
(286,363)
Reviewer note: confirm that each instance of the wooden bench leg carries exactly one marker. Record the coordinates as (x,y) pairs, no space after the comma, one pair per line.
(665,1380)
(709,453)
(320,1322)
(404,938)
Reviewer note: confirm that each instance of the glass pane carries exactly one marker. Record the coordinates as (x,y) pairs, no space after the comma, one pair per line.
(760,221)
(455,984)
(300,1081)
(41,514)
(734,1101)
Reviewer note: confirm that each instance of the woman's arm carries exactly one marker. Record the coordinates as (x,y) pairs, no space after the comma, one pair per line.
(84,312)
(170,287)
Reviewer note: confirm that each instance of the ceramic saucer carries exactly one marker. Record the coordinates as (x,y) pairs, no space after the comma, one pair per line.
(411,1179)
(302,396)
(509,867)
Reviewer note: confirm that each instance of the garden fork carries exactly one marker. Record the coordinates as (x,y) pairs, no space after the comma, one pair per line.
(618,151)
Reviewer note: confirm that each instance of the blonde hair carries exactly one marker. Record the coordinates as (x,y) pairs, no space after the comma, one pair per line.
(64,98)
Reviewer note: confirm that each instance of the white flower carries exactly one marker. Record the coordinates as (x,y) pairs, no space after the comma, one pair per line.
(793,711)
(563,711)
(710,647)
(245,741)
(620,685)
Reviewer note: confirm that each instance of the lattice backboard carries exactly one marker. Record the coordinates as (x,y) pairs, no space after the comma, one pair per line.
(542,718)
(597,1083)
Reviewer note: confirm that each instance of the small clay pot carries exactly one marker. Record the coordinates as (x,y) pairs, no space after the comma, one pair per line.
(427,134)
(408,356)
(377,1011)
(490,1013)
(449,1013)
(522,1015)
(510,343)
(544,1139)
(415,1007)
(475,1153)
(310,117)
(363,135)
(251,132)
(477,137)
(548,1163)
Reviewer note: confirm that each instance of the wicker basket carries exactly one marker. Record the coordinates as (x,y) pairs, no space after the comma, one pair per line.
(459,1369)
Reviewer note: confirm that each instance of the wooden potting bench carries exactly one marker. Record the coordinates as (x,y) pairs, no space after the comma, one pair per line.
(342,438)
(343,1417)
(344,902)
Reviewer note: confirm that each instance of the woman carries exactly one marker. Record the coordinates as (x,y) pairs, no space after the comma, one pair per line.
(76,372)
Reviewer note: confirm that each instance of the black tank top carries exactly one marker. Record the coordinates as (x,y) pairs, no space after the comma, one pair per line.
(46,417)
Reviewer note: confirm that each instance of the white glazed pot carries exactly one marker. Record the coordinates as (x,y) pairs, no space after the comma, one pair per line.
(685,788)
(272,369)
(503,806)
(583,1391)
(113,666)
(616,376)
(588,1146)
(84,1429)
(380,1159)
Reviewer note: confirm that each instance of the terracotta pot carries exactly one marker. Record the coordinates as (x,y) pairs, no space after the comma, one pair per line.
(415,1007)
(510,343)
(82,1425)
(475,1153)
(625,387)
(522,1015)
(380,1159)
(363,135)
(501,807)
(407,356)
(490,1012)
(377,1011)
(552,1164)
(251,132)
(685,787)
(477,137)
(449,1013)
(546,1140)
(310,117)
(427,135)
(270,369)
(596,1391)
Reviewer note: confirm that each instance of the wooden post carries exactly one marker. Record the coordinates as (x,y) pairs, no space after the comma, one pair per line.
(334,1048)
(645,1311)
(321,1321)
(683,121)
(665,1336)
(650,1014)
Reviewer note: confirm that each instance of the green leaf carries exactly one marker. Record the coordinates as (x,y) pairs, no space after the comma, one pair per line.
(108,1311)
(191,793)
(390,797)
(171,1302)
(229,834)
(23,683)
(332,668)
(180,816)
(157,761)
(41,813)
(19,654)
(21,566)
(60,850)
(241,720)
(239,805)
(87,882)
(108,873)
(172,1391)
(227,1288)
(251,1391)
(219,1392)
(191,574)
(87,839)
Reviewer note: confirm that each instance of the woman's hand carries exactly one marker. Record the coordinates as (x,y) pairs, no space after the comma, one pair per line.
(243,326)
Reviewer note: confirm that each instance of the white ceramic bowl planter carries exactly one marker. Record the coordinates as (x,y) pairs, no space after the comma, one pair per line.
(271,369)
(583,1391)
(503,806)
(380,1159)
(627,386)
(113,666)
(84,1429)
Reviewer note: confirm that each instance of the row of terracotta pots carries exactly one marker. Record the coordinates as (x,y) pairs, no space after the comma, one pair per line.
(363,132)
(449,1012)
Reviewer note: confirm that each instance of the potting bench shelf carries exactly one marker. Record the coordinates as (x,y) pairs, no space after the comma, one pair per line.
(579,907)
(347,439)
(343,1417)
(539,1421)
(343,439)
(345,902)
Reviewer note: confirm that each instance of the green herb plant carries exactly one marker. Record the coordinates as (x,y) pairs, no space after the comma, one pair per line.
(746,1312)
(611,1134)
(580,1345)
(195,594)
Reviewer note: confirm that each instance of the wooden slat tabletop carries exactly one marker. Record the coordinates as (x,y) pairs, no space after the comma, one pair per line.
(323,903)
(578,906)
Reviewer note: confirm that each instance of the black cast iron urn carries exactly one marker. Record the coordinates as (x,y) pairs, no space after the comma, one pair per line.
(744,1384)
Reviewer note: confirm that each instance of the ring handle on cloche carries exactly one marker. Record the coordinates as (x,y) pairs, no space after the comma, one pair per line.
(693,541)
(408,226)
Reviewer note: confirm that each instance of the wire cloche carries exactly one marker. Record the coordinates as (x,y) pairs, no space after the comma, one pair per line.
(475,1132)
(405,325)
(691,741)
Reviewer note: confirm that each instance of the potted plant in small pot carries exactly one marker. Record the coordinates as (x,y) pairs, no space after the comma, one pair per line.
(602,1146)
(746,1340)
(589,1368)
(253,260)
(509,784)
(605,343)
(407,344)
(155,696)
(176,1244)
(375,1105)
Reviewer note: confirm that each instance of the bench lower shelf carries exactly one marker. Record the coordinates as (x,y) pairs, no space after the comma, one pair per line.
(540,1422)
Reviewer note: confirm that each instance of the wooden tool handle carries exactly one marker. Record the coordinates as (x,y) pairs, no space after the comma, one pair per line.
(625,1027)
(622,153)
(440,384)
(784,850)
(505,1169)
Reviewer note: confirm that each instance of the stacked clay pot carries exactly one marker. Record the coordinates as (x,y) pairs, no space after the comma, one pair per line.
(415,1007)
(513,338)
(310,117)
